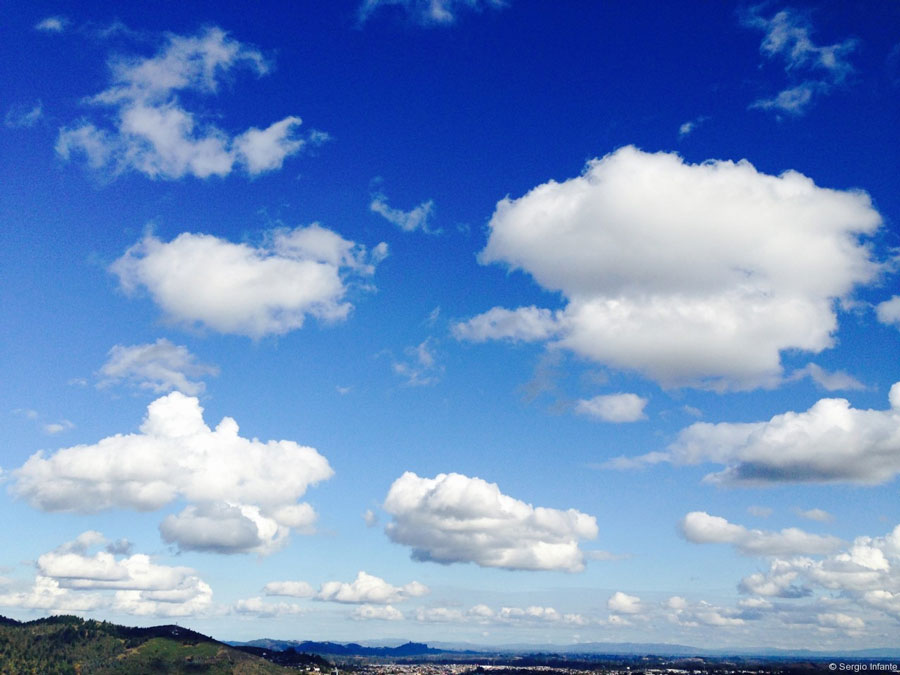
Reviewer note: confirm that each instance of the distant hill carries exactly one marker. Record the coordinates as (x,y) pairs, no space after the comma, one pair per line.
(63,645)
(337,649)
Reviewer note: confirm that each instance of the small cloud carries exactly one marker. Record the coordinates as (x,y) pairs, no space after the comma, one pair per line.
(829,381)
(26,413)
(159,367)
(613,407)
(23,116)
(428,12)
(690,126)
(370,517)
(692,411)
(421,367)
(818,515)
(759,511)
(52,24)
(622,603)
(888,312)
(291,589)
(343,391)
(57,427)
(409,221)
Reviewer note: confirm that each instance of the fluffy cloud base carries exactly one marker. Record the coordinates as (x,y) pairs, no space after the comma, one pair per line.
(247,290)
(614,242)
(244,493)
(454,518)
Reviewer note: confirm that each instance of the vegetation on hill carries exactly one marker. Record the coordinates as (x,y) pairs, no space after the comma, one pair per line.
(64,645)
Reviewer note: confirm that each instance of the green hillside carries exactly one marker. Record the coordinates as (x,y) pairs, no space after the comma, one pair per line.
(68,644)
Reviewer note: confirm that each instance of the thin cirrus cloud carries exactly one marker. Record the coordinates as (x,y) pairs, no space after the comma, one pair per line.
(428,12)
(812,70)
(244,289)
(242,494)
(613,407)
(831,442)
(614,241)
(159,367)
(148,130)
(73,578)
(454,518)
(700,527)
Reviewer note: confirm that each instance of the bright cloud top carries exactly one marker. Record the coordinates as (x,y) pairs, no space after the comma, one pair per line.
(243,493)
(160,366)
(454,518)
(152,133)
(247,290)
(687,273)
(70,578)
(701,528)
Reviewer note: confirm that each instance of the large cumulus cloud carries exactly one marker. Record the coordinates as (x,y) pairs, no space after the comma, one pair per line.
(691,274)
(454,518)
(243,494)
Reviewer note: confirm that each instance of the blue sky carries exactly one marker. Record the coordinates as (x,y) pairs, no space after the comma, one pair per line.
(475,321)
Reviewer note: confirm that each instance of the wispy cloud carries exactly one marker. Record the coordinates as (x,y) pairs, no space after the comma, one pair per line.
(812,70)
(416,218)
(428,12)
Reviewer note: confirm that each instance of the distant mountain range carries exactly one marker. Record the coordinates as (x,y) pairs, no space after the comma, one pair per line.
(404,650)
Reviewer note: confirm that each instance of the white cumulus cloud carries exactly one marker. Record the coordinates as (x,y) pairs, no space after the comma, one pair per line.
(151,132)
(367,588)
(622,603)
(830,442)
(71,578)
(888,312)
(455,518)
(243,494)
(701,528)
(247,290)
(614,242)
(159,366)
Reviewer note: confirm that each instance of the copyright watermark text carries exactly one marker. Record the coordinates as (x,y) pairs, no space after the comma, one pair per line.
(864,667)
